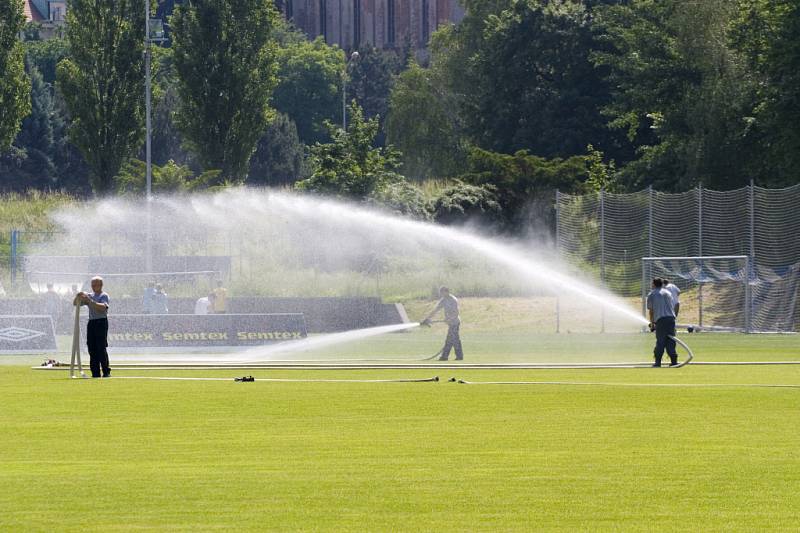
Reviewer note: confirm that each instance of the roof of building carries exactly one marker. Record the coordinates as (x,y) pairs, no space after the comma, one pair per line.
(33,12)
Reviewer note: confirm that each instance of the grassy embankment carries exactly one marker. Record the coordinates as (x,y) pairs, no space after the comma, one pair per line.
(30,213)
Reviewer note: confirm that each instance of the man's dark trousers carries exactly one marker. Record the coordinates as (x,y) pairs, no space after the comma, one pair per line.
(97,342)
(453,340)
(665,330)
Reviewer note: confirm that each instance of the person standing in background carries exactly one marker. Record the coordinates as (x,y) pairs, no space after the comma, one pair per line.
(147,298)
(220,303)
(160,304)
(204,305)
(52,303)
(676,294)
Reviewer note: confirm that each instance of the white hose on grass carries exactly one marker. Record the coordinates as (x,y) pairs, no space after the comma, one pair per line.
(284,380)
(618,384)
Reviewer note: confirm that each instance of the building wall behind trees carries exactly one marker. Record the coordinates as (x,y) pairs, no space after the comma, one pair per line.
(380,23)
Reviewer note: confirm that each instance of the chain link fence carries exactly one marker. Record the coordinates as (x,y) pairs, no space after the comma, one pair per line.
(608,235)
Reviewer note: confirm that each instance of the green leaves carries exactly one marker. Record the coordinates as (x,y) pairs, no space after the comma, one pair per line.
(350,166)
(424,125)
(682,92)
(15,85)
(519,179)
(225,58)
(103,84)
(524,77)
(310,86)
(169,178)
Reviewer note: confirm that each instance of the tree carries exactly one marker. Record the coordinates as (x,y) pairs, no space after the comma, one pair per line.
(767,33)
(15,86)
(69,170)
(169,178)
(45,56)
(279,157)
(520,75)
(310,86)
(225,59)
(371,80)
(521,179)
(423,123)
(350,166)
(402,198)
(167,141)
(102,84)
(682,94)
(462,202)
(31,164)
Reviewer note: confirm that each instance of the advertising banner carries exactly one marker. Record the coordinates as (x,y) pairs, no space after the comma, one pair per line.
(27,334)
(202,331)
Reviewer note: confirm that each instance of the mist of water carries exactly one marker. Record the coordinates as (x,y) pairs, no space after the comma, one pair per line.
(321,342)
(301,232)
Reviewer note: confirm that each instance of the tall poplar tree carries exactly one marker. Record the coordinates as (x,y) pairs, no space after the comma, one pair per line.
(15,86)
(225,57)
(103,84)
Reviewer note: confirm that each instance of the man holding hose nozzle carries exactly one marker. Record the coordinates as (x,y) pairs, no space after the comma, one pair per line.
(449,303)
(661,309)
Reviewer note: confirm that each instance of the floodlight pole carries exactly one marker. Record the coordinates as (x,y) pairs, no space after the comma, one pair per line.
(558,255)
(603,254)
(751,262)
(353,57)
(645,272)
(700,253)
(148,127)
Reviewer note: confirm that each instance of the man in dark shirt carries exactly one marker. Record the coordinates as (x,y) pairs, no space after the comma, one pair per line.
(97,328)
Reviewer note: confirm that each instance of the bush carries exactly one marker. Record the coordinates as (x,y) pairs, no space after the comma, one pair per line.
(462,203)
(403,198)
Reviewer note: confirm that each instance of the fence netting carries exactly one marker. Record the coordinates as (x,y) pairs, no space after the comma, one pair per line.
(608,235)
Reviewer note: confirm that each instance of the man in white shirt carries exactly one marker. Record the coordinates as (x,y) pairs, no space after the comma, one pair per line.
(204,305)
(676,294)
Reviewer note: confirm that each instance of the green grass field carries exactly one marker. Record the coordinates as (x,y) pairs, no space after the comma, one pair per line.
(118,454)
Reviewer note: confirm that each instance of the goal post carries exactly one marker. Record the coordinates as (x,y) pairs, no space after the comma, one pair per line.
(716,292)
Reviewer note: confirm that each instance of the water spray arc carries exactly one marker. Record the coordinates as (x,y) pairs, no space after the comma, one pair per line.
(317,226)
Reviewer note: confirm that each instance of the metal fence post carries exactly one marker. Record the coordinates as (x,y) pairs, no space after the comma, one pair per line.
(558,255)
(646,271)
(644,290)
(14,247)
(751,262)
(748,297)
(603,254)
(650,221)
(700,252)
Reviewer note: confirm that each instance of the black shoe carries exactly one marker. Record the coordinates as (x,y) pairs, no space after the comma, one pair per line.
(442,359)
(673,364)
(459,358)
(656,365)
(107,375)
